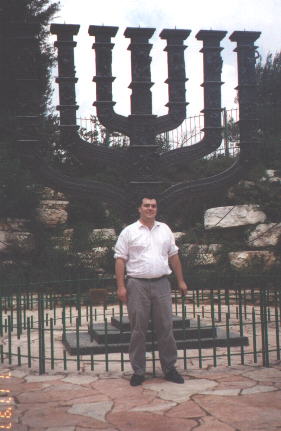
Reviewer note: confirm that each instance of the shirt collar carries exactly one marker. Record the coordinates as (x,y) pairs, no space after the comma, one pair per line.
(140,225)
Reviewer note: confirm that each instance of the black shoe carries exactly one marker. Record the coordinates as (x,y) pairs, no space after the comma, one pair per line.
(174,376)
(136,380)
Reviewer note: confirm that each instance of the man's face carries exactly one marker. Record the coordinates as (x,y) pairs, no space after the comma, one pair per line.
(148,209)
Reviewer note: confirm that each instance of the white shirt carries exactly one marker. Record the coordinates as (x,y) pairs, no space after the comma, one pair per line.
(146,251)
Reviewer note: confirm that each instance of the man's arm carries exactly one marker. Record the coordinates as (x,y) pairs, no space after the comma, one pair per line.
(120,279)
(177,269)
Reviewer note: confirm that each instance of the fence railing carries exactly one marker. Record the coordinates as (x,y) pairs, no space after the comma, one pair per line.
(244,324)
(188,133)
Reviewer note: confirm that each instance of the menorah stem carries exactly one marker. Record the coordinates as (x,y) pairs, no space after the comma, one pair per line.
(176,80)
(247,91)
(212,63)
(176,70)
(66,77)
(104,79)
(141,98)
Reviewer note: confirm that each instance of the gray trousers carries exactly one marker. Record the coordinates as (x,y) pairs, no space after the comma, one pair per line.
(146,297)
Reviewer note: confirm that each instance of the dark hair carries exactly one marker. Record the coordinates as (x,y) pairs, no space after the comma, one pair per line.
(146,196)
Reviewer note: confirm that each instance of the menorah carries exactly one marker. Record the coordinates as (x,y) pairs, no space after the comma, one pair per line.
(142,161)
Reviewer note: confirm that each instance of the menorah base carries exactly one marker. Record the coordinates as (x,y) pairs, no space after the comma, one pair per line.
(138,189)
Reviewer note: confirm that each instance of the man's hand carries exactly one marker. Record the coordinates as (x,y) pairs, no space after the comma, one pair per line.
(176,267)
(183,287)
(120,279)
(122,294)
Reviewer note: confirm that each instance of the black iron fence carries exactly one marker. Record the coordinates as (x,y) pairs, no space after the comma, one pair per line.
(188,133)
(89,330)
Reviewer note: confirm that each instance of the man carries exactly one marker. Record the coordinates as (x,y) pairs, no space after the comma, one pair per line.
(143,253)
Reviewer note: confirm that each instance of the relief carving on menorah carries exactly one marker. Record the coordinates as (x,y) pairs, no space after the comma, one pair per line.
(142,161)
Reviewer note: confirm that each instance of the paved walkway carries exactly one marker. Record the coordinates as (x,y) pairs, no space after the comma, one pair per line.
(237,398)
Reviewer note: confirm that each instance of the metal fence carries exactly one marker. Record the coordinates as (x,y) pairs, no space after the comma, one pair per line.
(188,133)
(243,326)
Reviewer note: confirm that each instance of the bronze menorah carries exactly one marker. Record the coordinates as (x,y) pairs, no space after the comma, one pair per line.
(142,161)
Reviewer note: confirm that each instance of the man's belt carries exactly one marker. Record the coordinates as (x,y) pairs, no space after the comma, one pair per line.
(148,279)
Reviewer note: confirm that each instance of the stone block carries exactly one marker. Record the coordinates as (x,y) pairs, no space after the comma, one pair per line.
(99,252)
(86,258)
(48,193)
(233,216)
(103,234)
(249,259)
(201,254)
(52,213)
(264,235)
(13,233)
(3,240)
(22,240)
(271,176)
(13,224)
(93,258)
(64,241)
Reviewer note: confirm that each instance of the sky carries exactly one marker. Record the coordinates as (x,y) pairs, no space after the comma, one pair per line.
(249,15)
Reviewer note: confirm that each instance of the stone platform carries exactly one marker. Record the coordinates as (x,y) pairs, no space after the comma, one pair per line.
(115,336)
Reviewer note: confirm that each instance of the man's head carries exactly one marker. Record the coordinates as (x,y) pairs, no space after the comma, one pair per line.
(147,208)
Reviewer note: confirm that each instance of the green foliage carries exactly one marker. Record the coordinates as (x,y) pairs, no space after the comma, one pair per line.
(163,143)
(231,131)
(54,264)
(100,135)
(228,278)
(269,90)
(263,193)
(53,270)
(81,236)
(270,150)
(49,263)
(32,11)
(18,196)
(269,110)
(198,169)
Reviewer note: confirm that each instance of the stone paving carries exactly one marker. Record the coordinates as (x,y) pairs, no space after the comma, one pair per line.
(237,398)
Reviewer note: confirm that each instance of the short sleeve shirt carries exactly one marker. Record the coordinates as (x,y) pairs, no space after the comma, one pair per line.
(146,251)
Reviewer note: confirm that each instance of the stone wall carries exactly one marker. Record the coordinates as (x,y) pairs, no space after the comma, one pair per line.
(15,234)
(260,238)
(260,245)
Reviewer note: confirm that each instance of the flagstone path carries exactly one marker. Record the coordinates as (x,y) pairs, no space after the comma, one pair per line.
(238,398)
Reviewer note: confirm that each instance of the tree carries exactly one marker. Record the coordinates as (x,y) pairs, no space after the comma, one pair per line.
(269,90)
(17,197)
(269,109)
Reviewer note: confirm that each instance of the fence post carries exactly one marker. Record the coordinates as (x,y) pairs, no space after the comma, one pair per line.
(264,328)
(41,334)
